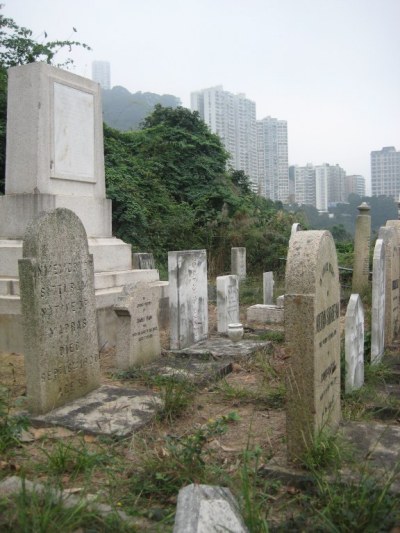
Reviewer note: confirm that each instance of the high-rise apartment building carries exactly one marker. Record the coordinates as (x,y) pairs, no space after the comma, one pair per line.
(304,184)
(101,73)
(354,184)
(233,118)
(385,172)
(329,186)
(273,167)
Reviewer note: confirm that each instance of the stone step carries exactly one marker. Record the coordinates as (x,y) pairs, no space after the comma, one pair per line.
(10,252)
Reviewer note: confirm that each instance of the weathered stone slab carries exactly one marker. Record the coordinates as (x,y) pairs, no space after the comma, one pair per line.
(138,336)
(354,344)
(378,303)
(227,302)
(268,288)
(143,261)
(207,509)
(59,311)
(280,301)
(223,348)
(238,262)
(188,302)
(362,239)
(265,314)
(389,236)
(295,228)
(312,311)
(105,411)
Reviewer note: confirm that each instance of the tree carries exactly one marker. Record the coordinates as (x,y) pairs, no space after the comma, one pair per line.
(17,47)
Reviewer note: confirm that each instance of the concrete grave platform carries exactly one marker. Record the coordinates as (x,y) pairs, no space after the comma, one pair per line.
(105,411)
(223,348)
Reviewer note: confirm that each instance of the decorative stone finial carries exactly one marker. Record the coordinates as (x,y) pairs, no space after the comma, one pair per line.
(364,208)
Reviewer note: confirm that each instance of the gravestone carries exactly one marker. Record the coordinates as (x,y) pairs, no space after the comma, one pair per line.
(268,288)
(238,262)
(138,336)
(312,331)
(188,301)
(295,228)
(389,236)
(143,261)
(59,311)
(227,302)
(354,344)
(362,239)
(55,158)
(207,509)
(378,303)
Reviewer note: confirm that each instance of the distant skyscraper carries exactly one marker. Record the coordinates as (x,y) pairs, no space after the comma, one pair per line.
(385,172)
(101,73)
(304,184)
(272,150)
(233,118)
(329,186)
(354,185)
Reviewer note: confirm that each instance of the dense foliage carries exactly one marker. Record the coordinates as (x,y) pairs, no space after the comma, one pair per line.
(126,111)
(171,190)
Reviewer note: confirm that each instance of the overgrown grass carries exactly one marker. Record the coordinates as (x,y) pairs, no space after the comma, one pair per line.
(10,425)
(253,498)
(325,451)
(273,398)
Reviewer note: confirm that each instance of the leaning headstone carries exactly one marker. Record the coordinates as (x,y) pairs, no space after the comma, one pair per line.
(138,336)
(188,302)
(142,261)
(354,344)
(207,509)
(59,311)
(238,262)
(268,286)
(389,236)
(378,303)
(312,330)
(227,302)
(362,238)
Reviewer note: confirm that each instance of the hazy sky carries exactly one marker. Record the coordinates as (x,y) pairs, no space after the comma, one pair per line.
(331,68)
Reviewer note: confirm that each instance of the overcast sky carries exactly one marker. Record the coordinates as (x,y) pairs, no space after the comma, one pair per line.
(331,68)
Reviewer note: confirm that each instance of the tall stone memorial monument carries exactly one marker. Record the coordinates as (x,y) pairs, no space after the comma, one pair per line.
(59,313)
(389,236)
(55,158)
(312,330)
(362,239)
(378,303)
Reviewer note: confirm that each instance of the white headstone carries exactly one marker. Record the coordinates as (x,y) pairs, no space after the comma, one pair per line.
(227,302)
(188,300)
(59,312)
(268,286)
(389,236)
(354,344)
(378,303)
(295,228)
(238,262)
(138,336)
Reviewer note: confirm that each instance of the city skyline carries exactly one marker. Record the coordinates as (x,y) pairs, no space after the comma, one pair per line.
(327,68)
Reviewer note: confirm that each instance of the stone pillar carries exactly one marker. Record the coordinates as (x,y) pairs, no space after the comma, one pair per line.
(354,344)
(227,302)
(238,262)
(389,236)
(268,286)
(378,303)
(362,241)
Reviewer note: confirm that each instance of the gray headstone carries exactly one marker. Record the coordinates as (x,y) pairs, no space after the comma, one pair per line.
(354,344)
(188,301)
(142,261)
(268,286)
(312,330)
(378,303)
(138,336)
(207,509)
(227,302)
(238,262)
(389,236)
(362,239)
(59,311)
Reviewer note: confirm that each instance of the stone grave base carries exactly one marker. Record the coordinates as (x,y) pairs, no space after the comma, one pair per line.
(105,411)
(265,314)
(376,453)
(218,348)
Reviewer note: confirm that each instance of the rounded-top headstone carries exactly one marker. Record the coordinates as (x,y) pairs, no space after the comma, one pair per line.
(312,311)
(59,311)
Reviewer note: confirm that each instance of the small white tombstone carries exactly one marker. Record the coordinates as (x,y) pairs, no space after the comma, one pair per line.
(268,286)
(188,299)
(138,336)
(378,303)
(354,344)
(295,228)
(227,302)
(238,262)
